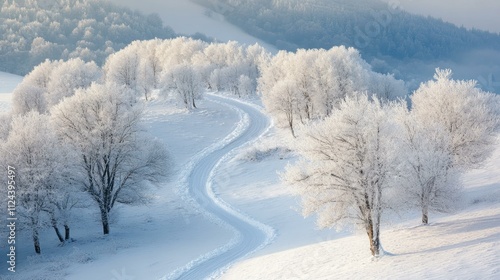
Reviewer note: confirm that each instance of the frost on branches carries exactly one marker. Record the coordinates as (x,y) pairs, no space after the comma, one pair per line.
(427,177)
(469,115)
(308,85)
(346,167)
(115,157)
(43,165)
(451,128)
(52,81)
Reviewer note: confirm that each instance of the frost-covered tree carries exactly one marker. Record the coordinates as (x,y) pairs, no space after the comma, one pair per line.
(50,82)
(246,86)
(282,103)
(116,159)
(347,166)
(426,174)
(387,87)
(69,76)
(451,128)
(324,78)
(187,84)
(34,150)
(468,114)
(26,98)
(5,121)
(30,94)
(121,68)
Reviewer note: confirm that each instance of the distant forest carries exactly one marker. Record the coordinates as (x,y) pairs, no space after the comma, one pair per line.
(32,31)
(376,28)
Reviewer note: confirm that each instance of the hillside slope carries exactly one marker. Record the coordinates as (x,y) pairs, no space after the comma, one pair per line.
(8,83)
(460,245)
(186,17)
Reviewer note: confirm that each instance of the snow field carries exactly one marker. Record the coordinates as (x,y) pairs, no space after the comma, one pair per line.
(461,245)
(240,127)
(250,235)
(8,83)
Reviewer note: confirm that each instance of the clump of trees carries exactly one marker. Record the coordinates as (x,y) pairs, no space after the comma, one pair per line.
(113,157)
(44,191)
(33,31)
(366,152)
(450,129)
(185,68)
(76,140)
(308,85)
(50,82)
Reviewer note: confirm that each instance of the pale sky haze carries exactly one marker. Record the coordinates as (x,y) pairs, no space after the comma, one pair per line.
(480,14)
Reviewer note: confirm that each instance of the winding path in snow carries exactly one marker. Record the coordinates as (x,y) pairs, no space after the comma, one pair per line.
(250,235)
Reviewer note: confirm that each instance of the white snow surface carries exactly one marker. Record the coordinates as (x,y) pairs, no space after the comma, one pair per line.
(8,83)
(249,234)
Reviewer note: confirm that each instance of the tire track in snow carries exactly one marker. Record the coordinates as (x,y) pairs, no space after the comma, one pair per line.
(249,234)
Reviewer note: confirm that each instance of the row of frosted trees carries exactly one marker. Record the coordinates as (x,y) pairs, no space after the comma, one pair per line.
(185,68)
(308,85)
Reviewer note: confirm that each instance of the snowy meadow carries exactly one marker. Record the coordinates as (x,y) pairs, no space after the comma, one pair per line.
(185,158)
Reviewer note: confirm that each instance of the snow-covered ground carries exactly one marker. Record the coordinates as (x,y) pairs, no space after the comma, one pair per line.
(188,18)
(462,245)
(8,83)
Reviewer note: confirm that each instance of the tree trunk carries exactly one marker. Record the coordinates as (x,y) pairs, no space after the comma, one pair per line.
(66,232)
(105,221)
(36,241)
(58,233)
(56,229)
(292,130)
(425,215)
(374,239)
(194,104)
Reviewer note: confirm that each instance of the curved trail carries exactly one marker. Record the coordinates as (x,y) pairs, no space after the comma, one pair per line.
(250,235)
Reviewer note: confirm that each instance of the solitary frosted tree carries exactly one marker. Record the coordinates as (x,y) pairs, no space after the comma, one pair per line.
(427,177)
(469,115)
(346,167)
(187,84)
(115,157)
(281,102)
(451,128)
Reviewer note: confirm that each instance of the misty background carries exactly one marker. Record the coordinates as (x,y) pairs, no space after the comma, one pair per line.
(480,14)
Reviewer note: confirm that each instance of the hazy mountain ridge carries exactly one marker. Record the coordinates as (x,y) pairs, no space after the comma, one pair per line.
(373,26)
